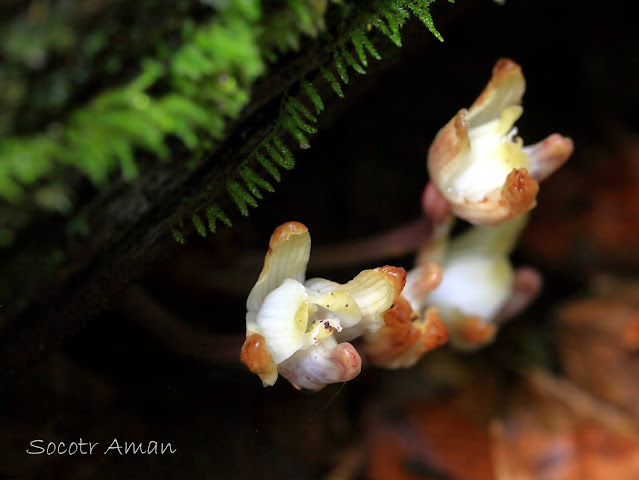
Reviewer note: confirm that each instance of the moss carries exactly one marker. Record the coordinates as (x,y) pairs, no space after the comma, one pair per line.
(190,93)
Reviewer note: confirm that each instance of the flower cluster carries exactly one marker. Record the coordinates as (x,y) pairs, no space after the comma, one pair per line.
(301,329)
(461,289)
(478,165)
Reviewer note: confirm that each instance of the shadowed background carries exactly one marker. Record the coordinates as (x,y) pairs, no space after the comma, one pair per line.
(162,362)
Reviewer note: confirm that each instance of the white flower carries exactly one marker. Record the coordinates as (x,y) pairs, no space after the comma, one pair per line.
(479,286)
(293,326)
(478,162)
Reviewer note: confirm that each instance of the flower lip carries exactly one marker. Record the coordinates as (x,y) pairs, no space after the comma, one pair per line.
(327,362)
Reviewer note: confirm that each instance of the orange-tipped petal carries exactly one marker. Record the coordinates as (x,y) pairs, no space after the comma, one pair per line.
(405,338)
(256,357)
(287,257)
(396,276)
(473,332)
(506,87)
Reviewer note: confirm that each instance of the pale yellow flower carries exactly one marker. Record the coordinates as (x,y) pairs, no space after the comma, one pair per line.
(294,326)
(479,287)
(478,162)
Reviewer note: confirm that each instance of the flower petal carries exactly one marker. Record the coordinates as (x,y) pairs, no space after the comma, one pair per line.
(340,305)
(256,357)
(373,290)
(516,197)
(475,285)
(548,155)
(469,332)
(420,281)
(283,319)
(287,257)
(316,367)
(498,240)
(526,288)
(404,338)
(505,88)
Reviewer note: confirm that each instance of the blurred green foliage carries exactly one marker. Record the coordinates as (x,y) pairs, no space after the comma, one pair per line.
(83,92)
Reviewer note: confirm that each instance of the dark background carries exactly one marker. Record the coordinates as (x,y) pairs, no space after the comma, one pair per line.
(128,376)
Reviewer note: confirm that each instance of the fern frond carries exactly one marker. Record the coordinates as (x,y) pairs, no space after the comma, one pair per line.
(198,224)
(293,128)
(274,147)
(368,45)
(294,105)
(312,94)
(420,10)
(288,162)
(357,39)
(268,166)
(178,236)
(350,60)
(302,12)
(213,214)
(241,197)
(340,67)
(362,44)
(393,20)
(332,81)
(297,120)
(254,182)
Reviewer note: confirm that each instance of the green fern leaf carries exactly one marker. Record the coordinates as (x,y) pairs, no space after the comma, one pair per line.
(311,92)
(293,128)
(421,11)
(371,48)
(302,11)
(213,214)
(268,166)
(253,181)
(241,197)
(384,28)
(332,81)
(294,105)
(199,224)
(287,160)
(340,67)
(280,154)
(178,236)
(350,60)
(357,39)
(362,44)
(298,122)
